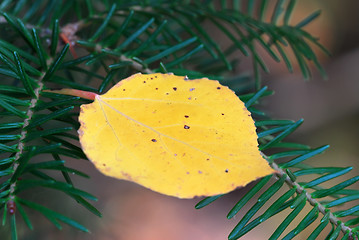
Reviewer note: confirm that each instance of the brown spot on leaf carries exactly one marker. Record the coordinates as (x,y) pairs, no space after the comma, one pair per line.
(186,116)
(186,127)
(175,89)
(127,176)
(153,140)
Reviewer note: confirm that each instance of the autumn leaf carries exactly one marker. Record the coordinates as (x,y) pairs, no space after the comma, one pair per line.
(179,137)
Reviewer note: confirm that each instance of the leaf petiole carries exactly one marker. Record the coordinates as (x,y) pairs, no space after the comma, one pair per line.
(75,92)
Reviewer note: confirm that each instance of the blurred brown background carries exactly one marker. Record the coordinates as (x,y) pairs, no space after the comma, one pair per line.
(331,112)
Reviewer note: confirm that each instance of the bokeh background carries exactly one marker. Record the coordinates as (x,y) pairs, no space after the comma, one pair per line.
(330,108)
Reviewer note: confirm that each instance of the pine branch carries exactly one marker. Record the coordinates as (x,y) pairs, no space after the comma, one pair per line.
(256,27)
(23,133)
(322,209)
(18,163)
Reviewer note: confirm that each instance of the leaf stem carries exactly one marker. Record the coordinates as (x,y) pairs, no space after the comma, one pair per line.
(75,92)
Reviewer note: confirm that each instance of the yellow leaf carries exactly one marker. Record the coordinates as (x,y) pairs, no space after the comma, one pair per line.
(179,137)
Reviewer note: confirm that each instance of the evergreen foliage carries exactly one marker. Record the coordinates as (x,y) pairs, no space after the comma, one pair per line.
(90,45)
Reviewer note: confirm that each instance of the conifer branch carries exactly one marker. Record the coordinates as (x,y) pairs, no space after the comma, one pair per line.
(21,145)
(70,30)
(314,202)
